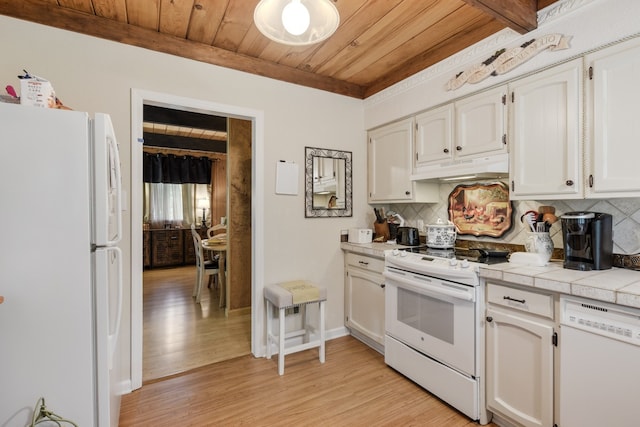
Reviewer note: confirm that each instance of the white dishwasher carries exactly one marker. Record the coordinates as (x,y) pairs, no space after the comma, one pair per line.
(599,364)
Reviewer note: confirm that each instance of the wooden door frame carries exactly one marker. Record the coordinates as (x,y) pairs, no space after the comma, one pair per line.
(138,99)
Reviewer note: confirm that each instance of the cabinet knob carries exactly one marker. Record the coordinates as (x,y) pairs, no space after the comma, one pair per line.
(489,319)
(382,285)
(407,192)
(446,150)
(459,148)
(569,183)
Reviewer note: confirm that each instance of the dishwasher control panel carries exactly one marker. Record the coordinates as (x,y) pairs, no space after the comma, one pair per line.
(610,320)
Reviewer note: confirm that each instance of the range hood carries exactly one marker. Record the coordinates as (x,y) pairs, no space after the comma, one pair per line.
(490,167)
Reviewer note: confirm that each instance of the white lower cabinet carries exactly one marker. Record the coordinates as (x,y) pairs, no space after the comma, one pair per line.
(520,337)
(364,299)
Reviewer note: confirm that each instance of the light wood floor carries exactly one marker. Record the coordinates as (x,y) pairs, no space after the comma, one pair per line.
(353,387)
(180,335)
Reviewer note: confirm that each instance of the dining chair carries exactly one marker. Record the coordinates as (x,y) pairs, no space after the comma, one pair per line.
(204,268)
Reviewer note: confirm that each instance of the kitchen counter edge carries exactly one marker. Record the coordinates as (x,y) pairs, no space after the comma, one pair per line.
(615,285)
(374,249)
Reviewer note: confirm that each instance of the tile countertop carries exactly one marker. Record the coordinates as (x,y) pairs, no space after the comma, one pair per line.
(371,249)
(616,285)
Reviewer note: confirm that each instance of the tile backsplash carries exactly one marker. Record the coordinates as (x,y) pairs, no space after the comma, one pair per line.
(625,213)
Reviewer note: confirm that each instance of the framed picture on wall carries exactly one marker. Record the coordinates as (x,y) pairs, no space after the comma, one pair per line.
(481,209)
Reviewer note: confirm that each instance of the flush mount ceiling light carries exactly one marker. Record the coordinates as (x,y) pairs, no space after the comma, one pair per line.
(296,22)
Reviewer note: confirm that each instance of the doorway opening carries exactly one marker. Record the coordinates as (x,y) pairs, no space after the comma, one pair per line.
(185,185)
(255,126)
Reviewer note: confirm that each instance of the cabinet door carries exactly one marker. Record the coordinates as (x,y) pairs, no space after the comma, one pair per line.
(546,134)
(390,162)
(365,303)
(434,137)
(613,110)
(519,365)
(167,248)
(481,124)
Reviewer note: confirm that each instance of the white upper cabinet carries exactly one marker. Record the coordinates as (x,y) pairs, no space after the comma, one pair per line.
(546,134)
(434,136)
(390,160)
(481,124)
(613,120)
(462,137)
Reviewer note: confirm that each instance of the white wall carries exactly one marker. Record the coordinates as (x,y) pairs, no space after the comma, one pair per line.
(96,75)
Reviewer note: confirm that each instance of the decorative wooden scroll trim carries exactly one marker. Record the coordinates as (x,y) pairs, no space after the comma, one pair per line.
(504,61)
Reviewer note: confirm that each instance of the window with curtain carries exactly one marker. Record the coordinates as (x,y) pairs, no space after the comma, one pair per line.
(172,184)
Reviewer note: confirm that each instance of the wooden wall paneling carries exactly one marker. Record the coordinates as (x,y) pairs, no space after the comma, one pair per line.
(239,225)
(218,190)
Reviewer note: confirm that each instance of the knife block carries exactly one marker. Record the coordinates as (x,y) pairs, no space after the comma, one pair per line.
(381,229)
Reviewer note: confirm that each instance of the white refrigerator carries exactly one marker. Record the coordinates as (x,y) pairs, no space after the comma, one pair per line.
(60,268)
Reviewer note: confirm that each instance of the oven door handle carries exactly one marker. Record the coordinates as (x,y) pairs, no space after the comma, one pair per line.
(420,285)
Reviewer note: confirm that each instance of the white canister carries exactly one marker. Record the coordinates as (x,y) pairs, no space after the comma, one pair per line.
(441,235)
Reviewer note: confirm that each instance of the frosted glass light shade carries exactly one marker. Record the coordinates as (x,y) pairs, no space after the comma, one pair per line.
(323,21)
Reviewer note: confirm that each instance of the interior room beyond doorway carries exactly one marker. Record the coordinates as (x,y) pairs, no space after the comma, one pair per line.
(180,333)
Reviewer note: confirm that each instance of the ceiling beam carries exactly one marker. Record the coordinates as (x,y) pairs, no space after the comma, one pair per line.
(49,13)
(184,143)
(189,119)
(519,15)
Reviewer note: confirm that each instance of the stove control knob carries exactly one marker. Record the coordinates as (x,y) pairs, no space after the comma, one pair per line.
(453,262)
(404,253)
(395,252)
(464,263)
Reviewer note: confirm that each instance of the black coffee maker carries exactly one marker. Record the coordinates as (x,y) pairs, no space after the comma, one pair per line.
(588,240)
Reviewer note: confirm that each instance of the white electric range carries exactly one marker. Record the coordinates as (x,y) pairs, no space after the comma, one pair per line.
(435,325)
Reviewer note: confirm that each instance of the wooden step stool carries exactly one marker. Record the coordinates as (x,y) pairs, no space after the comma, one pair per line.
(278,296)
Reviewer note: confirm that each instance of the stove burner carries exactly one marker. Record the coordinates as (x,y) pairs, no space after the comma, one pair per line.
(474,255)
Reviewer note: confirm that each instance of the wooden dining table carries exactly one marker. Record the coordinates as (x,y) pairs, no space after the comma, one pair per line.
(220,246)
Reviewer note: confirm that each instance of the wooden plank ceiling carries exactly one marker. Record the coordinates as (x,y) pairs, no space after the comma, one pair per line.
(378,42)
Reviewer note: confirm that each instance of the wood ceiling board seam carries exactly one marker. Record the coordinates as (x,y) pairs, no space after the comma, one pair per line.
(429,58)
(348,33)
(81,5)
(413,27)
(144,13)
(79,22)
(205,20)
(446,30)
(234,26)
(111,9)
(174,17)
(253,43)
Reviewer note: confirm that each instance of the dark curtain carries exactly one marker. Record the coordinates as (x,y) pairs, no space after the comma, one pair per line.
(171,169)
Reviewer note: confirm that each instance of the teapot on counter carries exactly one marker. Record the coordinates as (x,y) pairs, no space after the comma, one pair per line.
(441,235)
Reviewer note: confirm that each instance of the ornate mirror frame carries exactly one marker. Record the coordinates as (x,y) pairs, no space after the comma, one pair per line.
(337,183)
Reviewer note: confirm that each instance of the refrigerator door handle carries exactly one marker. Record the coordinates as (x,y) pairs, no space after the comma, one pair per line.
(113,335)
(107,183)
(108,300)
(115,180)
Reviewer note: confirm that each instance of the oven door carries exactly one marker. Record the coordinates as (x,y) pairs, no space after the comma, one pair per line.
(434,316)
